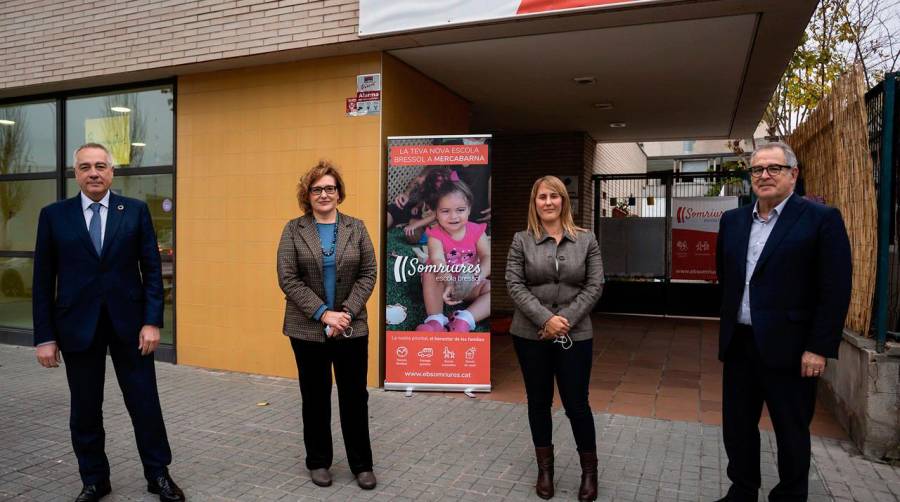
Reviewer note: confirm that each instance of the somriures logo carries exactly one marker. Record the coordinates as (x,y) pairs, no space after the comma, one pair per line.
(684,213)
(408,266)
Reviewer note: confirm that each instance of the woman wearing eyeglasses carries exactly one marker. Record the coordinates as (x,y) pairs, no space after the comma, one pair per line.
(554,275)
(326,268)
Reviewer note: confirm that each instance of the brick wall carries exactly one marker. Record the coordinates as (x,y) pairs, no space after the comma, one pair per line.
(48,41)
(517,160)
(619,158)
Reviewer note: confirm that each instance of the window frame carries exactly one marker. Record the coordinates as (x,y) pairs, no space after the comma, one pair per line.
(18,336)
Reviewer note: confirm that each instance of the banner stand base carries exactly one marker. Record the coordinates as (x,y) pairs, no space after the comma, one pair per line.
(409,388)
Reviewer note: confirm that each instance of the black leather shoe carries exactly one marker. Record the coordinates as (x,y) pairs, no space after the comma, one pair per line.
(167,490)
(366,480)
(321,476)
(92,493)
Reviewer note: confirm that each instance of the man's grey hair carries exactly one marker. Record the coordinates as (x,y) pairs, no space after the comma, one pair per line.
(789,156)
(109,157)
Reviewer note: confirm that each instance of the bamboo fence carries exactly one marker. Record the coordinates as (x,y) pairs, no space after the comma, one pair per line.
(832,146)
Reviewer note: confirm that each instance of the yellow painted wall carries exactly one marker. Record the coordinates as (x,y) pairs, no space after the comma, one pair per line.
(244,138)
(415,105)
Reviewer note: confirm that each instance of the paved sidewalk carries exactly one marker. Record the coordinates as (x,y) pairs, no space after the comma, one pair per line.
(427,447)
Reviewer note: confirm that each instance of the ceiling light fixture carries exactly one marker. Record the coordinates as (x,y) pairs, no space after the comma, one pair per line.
(139,144)
(120,109)
(617,125)
(603,106)
(7,122)
(585,80)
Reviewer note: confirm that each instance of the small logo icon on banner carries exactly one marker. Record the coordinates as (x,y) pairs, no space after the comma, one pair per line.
(404,267)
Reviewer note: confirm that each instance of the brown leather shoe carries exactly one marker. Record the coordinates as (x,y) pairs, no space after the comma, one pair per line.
(588,489)
(321,476)
(544,485)
(366,480)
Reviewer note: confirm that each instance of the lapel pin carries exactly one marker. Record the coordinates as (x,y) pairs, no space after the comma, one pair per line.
(121,207)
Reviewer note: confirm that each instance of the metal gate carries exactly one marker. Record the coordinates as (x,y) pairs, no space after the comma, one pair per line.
(633,223)
(884,144)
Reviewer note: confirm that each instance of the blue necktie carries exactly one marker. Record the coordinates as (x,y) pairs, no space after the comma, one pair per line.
(94,228)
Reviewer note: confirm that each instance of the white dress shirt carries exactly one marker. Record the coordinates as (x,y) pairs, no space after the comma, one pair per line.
(88,213)
(760,230)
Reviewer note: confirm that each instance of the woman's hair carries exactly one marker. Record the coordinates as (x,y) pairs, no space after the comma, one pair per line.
(565,214)
(323,168)
(450,187)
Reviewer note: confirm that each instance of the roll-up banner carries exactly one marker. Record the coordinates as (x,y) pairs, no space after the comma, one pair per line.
(695,227)
(437,266)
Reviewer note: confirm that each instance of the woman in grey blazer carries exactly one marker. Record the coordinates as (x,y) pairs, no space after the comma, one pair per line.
(554,275)
(326,268)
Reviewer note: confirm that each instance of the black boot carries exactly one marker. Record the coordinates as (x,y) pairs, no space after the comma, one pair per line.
(544,485)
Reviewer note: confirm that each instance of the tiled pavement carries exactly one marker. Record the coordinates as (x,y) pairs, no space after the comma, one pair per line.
(427,447)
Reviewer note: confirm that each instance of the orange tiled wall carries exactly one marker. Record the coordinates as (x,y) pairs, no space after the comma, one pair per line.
(244,138)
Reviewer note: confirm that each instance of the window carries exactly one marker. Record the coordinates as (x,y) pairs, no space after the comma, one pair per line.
(20,206)
(28,164)
(28,138)
(136,124)
(694,166)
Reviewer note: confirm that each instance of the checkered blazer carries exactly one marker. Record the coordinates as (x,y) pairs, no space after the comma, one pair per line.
(300,275)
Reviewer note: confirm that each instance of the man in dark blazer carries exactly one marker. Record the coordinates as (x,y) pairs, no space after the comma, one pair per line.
(98,286)
(784,267)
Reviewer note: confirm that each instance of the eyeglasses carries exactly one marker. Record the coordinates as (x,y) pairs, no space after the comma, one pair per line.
(327,189)
(773,170)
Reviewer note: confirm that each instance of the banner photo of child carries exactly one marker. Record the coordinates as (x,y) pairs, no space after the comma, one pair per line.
(438,235)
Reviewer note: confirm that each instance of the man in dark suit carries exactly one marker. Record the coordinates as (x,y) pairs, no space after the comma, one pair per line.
(98,286)
(784,267)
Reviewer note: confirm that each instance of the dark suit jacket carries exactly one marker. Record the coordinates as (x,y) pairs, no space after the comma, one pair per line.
(800,289)
(301,280)
(71,282)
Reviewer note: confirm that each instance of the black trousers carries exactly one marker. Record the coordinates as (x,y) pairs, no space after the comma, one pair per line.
(86,374)
(541,362)
(350,360)
(791,400)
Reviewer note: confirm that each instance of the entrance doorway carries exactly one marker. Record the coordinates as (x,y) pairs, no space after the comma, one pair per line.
(633,223)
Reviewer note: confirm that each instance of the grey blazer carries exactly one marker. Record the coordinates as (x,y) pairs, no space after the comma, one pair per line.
(540,290)
(300,275)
